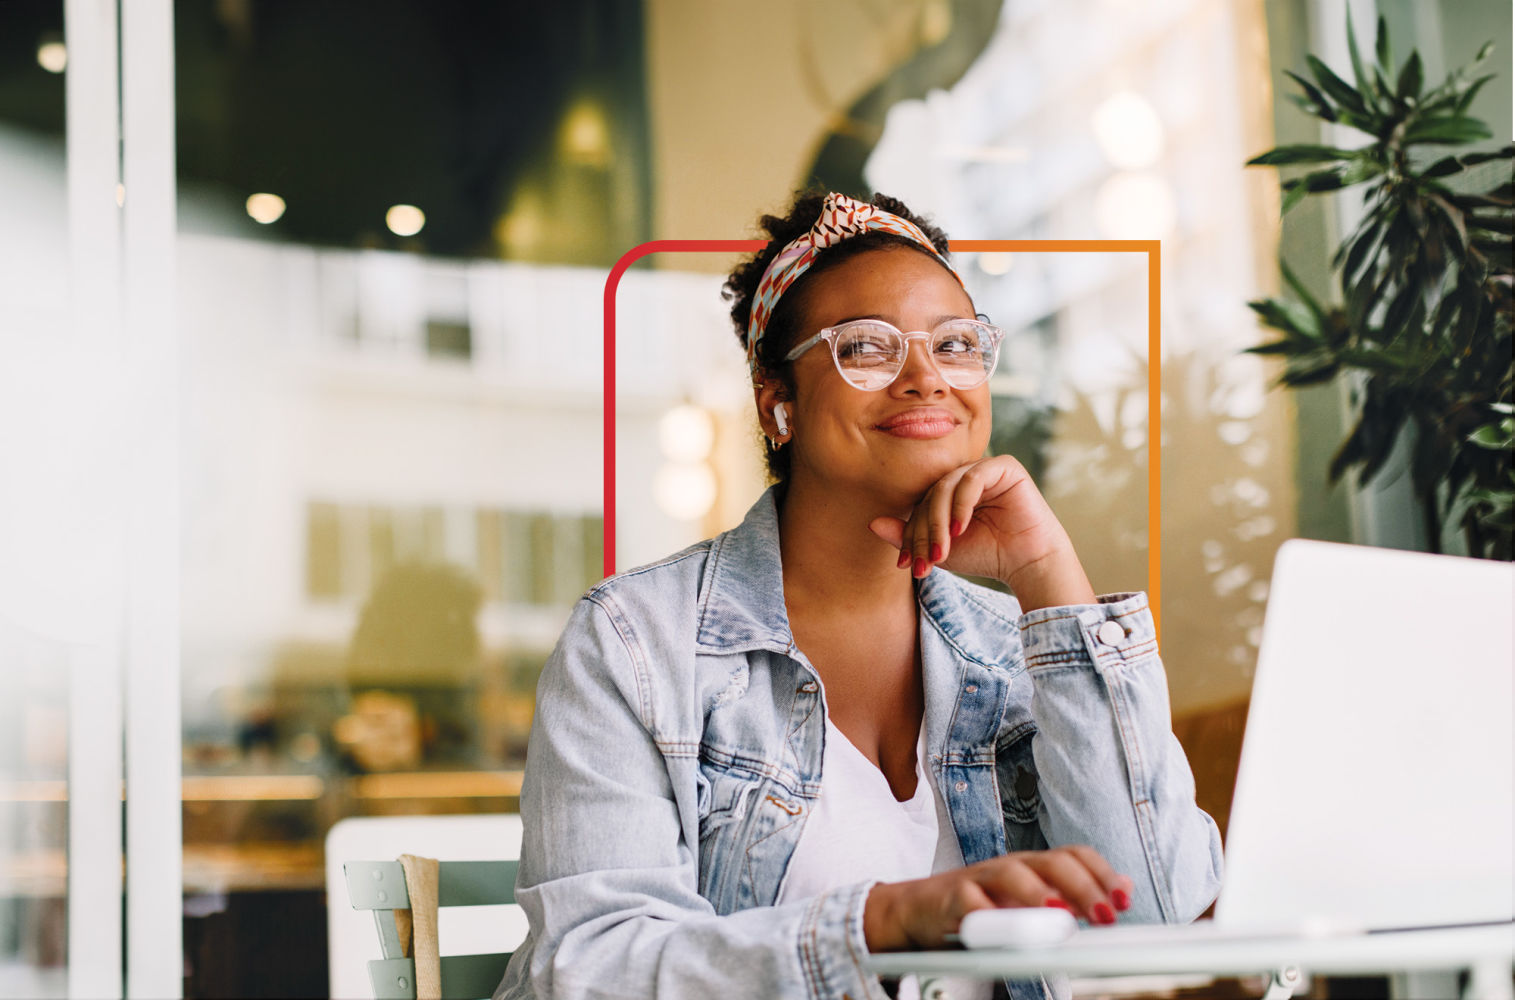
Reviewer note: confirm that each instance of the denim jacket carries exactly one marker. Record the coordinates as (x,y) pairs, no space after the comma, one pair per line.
(676,752)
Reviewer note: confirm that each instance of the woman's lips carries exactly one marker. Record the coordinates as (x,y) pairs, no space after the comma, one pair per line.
(925,422)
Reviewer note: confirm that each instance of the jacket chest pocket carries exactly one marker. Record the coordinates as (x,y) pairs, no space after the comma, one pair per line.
(725,800)
(1019,791)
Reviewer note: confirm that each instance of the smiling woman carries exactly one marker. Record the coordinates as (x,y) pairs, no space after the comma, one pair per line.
(806,739)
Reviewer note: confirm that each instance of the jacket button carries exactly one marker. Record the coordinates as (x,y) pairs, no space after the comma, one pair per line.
(971,688)
(961,786)
(809,687)
(1110,633)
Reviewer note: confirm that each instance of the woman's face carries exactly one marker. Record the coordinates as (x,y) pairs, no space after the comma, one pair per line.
(896,442)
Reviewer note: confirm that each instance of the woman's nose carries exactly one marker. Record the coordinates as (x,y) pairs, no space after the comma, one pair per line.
(919,372)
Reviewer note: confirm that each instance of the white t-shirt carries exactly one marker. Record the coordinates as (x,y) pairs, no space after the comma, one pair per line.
(858,830)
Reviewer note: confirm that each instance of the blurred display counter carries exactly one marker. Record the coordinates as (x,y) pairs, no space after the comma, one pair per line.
(270,867)
(438,785)
(253,788)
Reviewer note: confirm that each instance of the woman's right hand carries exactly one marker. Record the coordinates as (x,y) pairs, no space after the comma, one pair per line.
(916,915)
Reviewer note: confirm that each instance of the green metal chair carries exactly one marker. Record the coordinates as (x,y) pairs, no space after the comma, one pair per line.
(380,886)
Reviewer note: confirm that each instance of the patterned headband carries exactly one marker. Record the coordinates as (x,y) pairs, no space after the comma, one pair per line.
(841,218)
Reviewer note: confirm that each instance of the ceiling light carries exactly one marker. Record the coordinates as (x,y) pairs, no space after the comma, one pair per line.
(404,220)
(265,208)
(585,134)
(52,56)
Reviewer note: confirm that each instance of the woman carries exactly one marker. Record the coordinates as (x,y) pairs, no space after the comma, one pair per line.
(803,741)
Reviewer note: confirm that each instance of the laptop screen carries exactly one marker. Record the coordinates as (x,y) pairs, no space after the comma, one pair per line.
(1375,786)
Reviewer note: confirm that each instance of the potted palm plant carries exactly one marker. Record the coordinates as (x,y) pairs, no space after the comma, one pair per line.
(1422,325)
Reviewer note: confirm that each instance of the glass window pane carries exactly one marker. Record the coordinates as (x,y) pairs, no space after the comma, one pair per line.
(389,304)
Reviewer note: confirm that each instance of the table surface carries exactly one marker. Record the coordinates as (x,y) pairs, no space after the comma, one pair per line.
(1347,954)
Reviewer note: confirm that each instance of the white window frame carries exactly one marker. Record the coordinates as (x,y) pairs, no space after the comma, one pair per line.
(124,692)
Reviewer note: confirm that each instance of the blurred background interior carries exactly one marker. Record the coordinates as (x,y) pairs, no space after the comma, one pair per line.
(390,232)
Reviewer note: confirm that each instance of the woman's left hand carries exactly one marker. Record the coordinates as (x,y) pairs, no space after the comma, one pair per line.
(987,518)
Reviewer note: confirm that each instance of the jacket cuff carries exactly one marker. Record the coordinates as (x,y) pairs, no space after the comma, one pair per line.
(1117,629)
(833,949)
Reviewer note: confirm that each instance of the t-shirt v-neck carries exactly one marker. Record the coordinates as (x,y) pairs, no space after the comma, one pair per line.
(858,830)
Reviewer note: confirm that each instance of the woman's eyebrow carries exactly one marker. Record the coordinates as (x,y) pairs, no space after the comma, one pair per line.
(893,321)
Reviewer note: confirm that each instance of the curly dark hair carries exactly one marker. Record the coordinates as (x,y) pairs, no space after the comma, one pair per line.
(785,325)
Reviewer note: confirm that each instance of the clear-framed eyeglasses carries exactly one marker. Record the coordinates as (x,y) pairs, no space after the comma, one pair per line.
(870,353)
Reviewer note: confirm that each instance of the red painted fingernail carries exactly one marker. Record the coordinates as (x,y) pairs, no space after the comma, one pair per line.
(920,567)
(904,559)
(1054,901)
(1121,898)
(956,528)
(1103,914)
(936,552)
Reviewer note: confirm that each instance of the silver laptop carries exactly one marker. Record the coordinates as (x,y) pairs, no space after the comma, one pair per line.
(1377,779)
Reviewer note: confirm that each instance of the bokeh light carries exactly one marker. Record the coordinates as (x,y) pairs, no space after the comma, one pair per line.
(1128,131)
(586,135)
(684,491)
(1134,206)
(994,263)
(52,56)
(404,220)
(265,208)
(686,433)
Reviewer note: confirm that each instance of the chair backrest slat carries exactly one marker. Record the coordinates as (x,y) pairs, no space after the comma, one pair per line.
(464,977)
(380,886)
(476,883)
(472,977)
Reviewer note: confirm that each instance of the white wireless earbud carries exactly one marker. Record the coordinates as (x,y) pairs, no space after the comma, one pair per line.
(781,417)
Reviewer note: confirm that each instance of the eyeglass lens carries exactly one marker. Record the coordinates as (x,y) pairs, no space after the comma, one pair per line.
(870,355)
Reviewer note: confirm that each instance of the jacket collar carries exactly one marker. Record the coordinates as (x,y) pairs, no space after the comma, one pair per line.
(742,604)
